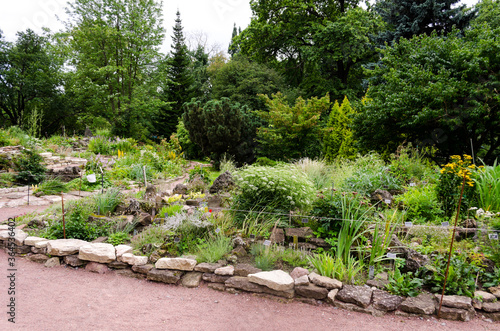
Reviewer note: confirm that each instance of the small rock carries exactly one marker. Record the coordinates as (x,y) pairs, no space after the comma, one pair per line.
(122,249)
(35,250)
(62,247)
(484,296)
(180,189)
(207,267)
(129,273)
(239,251)
(303,280)
(225,271)
(423,304)
(175,264)
(303,233)
(213,278)
(386,301)
(31,241)
(243,270)
(455,301)
(455,314)
(331,295)
(52,262)
(312,291)
(491,307)
(118,265)
(191,279)
(97,252)
(165,276)
(38,258)
(358,295)
(142,269)
(299,272)
(495,290)
(97,268)
(324,281)
(217,286)
(277,235)
(73,261)
(243,283)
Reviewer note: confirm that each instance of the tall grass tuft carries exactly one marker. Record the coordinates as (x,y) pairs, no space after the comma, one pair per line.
(213,249)
(318,172)
(488,187)
(107,202)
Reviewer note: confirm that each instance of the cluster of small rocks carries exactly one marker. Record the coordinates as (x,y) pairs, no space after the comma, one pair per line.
(299,284)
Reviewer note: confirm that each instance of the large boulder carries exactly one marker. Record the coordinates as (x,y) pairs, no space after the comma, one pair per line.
(223,183)
(100,252)
(63,247)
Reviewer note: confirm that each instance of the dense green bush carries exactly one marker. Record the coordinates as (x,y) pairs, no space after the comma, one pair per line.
(421,204)
(281,188)
(100,145)
(29,167)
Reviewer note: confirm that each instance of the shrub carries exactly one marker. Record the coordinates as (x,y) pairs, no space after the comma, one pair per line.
(153,234)
(317,172)
(100,145)
(279,188)
(29,167)
(213,249)
(334,267)
(118,238)
(406,285)
(410,165)
(421,204)
(488,187)
(52,187)
(338,141)
(171,210)
(265,162)
(108,201)
(264,256)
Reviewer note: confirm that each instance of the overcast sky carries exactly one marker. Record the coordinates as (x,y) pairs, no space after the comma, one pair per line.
(213,18)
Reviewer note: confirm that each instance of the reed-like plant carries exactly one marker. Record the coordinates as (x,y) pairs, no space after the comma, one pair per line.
(488,187)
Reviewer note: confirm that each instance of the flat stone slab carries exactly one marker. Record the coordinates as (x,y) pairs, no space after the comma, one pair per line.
(213,278)
(73,261)
(484,296)
(19,236)
(352,307)
(456,301)
(358,295)
(164,276)
(300,281)
(244,270)
(491,307)
(99,268)
(38,258)
(62,247)
(31,241)
(311,291)
(423,304)
(385,301)
(132,259)
(177,263)
(243,283)
(323,281)
(225,271)
(191,279)
(207,267)
(142,269)
(122,249)
(42,244)
(455,314)
(99,252)
(277,280)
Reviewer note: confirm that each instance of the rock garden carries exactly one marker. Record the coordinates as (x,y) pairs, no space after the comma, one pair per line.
(371,235)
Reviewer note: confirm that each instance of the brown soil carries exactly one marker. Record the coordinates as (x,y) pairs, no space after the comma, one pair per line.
(64,299)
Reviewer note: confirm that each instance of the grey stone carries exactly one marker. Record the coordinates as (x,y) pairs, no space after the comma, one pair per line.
(23,249)
(73,261)
(118,265)
(299,272)
(52,262)
(142,269)
(352,307)
(243,283)
(225,271)
(378,283)
(494,317)
(303,280)
(484,296)
(456,314)
(277,280)
(213,278)
(97,268)
(423,304)
(358,295)
(207,267)
(31,241)
(175,263)
(129,273)
(223,183)
(191,279)
(165,276)
(243,269)
(122,249)
(180,189)
(331,295)
(38,258)
(35,250)
(311,291)
(97,252)
(386,301)
(323,281)
(455,301)
(19,236)
(62,247)
(277,235)
(491,307)
(495,290)
(217,286)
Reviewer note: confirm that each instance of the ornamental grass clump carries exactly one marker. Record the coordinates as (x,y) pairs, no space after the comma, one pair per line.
(274,189)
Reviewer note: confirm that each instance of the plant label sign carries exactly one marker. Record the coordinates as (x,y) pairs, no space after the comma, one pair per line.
(305,220)
(372,272)
(445,224)
(391,256)
(91,178)
(408,224)
(267,242)
(413,184)
(217,230)
(388,201)
(493,236)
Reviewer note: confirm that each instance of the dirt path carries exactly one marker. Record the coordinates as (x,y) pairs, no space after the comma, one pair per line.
(65,299)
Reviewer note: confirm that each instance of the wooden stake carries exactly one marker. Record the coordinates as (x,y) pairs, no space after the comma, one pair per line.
(451,246)
(64,222)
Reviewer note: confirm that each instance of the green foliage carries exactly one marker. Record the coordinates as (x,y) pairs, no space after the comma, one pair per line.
(6,180)
(347,271)
(488,12)
(107,202)
(214,249)
(280,188)
(170,210)
(52,187)
(153,234)
(190,149)
(338,141)
(29,167)
(293,257)
(317,172)
(292,132)
(406,285)
(220,127)
(200,172)
(488,187)
(435,91)
(409,165)
(118,238)
(265,258)
(421,204)
(265,162)
(491,279)
(461,276)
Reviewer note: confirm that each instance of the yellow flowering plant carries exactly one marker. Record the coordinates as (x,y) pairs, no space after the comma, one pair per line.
(450,184)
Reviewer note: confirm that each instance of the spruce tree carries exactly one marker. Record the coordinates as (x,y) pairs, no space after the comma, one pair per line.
(409,18)
(234,47)
(180,81)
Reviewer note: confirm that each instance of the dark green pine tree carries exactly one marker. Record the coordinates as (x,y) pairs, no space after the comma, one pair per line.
(234,47)
(179,88)
(409,18)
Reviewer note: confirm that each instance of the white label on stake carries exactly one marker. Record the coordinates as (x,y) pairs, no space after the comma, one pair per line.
(305,220)
(413,184)
(408,224)
(391,256)
(387,201)
(91,178)
(371,272)
(445,224)
(267,242)
(493,236)
(217,230)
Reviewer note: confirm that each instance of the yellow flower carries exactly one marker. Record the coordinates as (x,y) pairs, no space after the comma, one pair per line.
(467,157)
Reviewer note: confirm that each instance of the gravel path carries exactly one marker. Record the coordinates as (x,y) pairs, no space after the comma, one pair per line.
(64,299)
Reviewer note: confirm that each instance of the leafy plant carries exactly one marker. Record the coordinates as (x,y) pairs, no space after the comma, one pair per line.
(421,204)
(29,167)
(118,238)
(201,172)
(410,165)
(100,145)
(170,210)
(488,187)
(153,234)
(491,279)
(293,257)
(51,187)
(316,170)
(107,202)
(335,267)
(213,249)
(406,285)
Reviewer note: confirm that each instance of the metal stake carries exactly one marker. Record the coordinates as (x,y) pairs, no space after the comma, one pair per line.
(64,222)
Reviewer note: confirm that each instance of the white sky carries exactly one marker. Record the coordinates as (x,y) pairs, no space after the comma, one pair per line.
(215,18)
